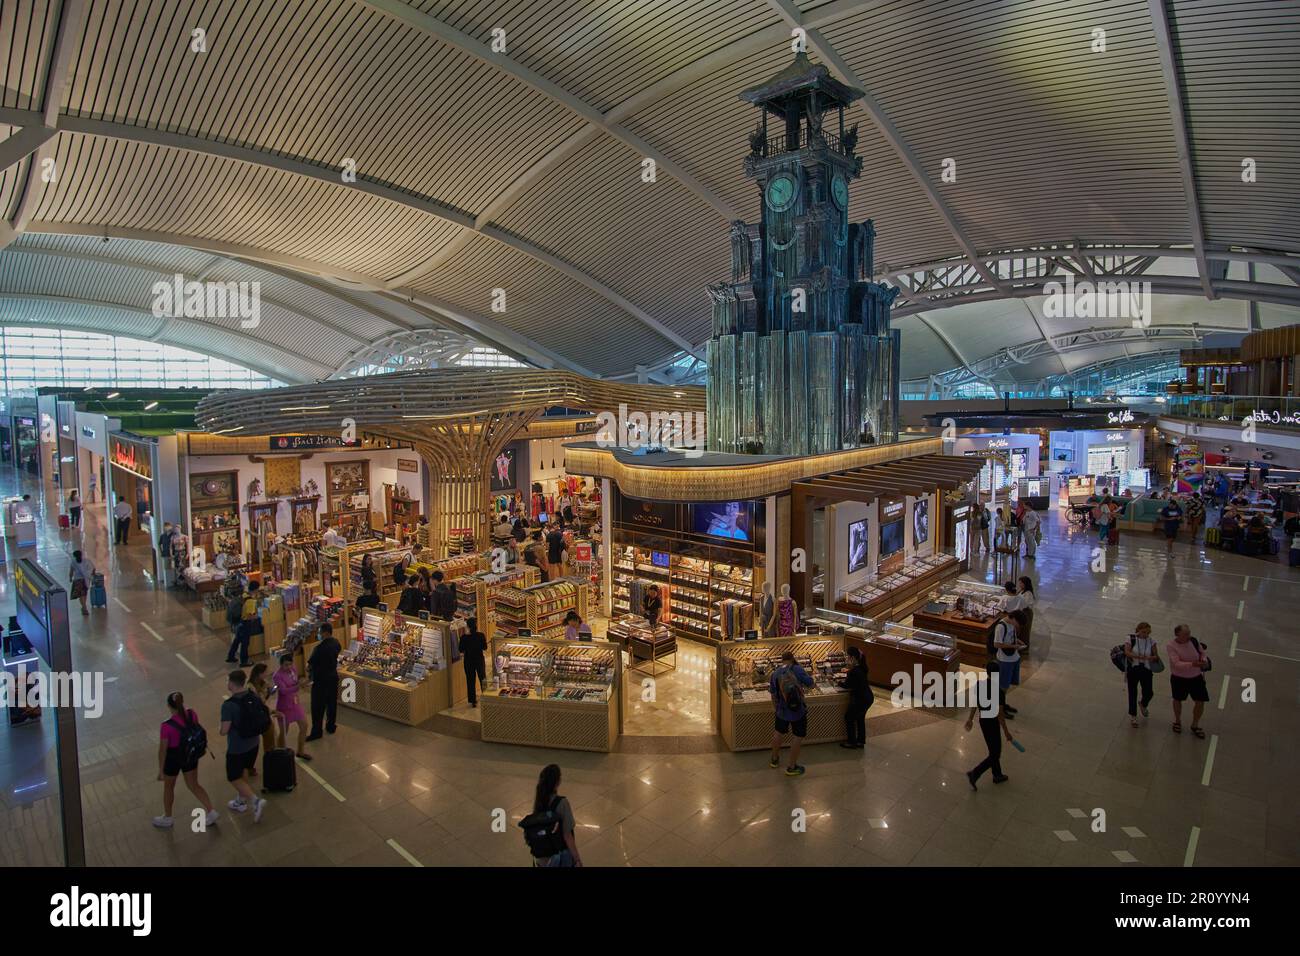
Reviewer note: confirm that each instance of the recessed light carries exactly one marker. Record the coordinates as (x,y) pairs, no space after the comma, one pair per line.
(151,406)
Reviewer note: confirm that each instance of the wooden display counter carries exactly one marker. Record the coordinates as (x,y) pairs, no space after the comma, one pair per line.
(403,702)
(974,638)
(748,725)
(541,668)
(535,722)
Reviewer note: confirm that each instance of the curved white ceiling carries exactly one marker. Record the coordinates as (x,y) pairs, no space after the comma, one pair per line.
(521,171)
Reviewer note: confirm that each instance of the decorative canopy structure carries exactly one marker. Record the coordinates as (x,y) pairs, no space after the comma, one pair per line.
(458,420)
(478,170)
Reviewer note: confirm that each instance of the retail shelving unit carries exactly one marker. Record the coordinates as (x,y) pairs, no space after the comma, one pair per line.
(539,609)
(549,693)
(695,586)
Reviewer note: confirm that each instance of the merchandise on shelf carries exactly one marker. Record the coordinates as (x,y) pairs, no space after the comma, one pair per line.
(539,609)
(748,667)
(389,647)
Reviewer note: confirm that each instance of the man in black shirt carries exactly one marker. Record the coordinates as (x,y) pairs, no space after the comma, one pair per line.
(555,549)
(441,604)
(369,599)
(411,603)
(323,666)
(473,646)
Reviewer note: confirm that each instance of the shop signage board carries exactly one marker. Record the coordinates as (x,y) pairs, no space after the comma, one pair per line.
(406,464)
(308,442)
(582,551)
(87,432)
(1119,418)
(130,456)
(651,515)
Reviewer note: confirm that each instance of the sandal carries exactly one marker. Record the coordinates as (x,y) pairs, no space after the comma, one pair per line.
(1178,728)
(1133,722)
(1198,733)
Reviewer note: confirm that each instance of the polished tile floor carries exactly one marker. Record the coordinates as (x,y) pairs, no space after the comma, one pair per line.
(380,793)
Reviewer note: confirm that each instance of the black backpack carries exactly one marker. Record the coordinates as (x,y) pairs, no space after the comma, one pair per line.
(544,831)
(194,741)
(254,718)
(235,610)
(787,684)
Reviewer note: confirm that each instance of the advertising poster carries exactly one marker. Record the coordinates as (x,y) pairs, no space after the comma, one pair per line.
(1189,468)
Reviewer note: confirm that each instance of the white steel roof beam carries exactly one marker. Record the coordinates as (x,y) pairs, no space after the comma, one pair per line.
(1178,120)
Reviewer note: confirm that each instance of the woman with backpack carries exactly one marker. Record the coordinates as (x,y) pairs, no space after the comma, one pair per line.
(182,745)
(551,837)
(1140,654)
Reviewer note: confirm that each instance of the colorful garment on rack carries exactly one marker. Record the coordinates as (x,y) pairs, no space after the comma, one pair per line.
(786,622)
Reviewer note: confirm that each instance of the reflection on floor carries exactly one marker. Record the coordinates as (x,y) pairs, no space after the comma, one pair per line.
(376,785)
(672,702)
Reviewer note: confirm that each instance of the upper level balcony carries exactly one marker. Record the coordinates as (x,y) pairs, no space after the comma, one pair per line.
(1266,411)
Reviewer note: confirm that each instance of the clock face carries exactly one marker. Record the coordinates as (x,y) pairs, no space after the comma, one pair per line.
(840,191)
(780,192)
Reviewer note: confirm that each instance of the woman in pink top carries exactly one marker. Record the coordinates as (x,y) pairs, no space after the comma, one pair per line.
(286,703)
(1187,664)
(174,760)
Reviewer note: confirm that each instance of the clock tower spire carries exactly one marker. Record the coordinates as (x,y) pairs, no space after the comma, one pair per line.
(802,360)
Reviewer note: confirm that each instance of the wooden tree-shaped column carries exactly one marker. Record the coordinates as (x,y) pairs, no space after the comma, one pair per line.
(460,454)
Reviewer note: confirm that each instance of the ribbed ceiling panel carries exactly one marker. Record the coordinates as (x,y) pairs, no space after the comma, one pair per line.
(675,258)
(135,186)
(16,309)
(604,51)
(1241,68)
(26,38)
(1050,139)
(546,307)
(321,82)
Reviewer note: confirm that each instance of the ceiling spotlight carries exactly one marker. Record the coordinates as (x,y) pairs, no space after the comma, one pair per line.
(112,395)
(151,406)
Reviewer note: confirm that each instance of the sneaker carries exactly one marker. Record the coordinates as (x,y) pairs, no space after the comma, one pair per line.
(795,771)
(774,762)
(261,805)
(311,737)
(848,746)
(1002,779)
(238,805)
(970,776)
(162,823)
(212,818)
(231,660)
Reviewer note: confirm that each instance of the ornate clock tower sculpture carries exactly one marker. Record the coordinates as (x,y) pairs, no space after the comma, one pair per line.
(802,360)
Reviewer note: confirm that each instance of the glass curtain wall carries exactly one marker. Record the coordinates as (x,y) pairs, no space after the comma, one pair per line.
(34,357)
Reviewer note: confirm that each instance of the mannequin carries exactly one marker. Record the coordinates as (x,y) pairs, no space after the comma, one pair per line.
(767,611)
(787,613)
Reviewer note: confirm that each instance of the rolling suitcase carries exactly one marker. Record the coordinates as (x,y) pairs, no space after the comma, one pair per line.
(279,771)
(64,522)
(1112,536)
(98,596)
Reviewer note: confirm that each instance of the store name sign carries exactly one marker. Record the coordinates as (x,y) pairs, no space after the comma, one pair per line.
(893,510)
(299,442)
(1274,417)
(87,432)
(1115,436)
(1119,418)
(999,443)
(131,457)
